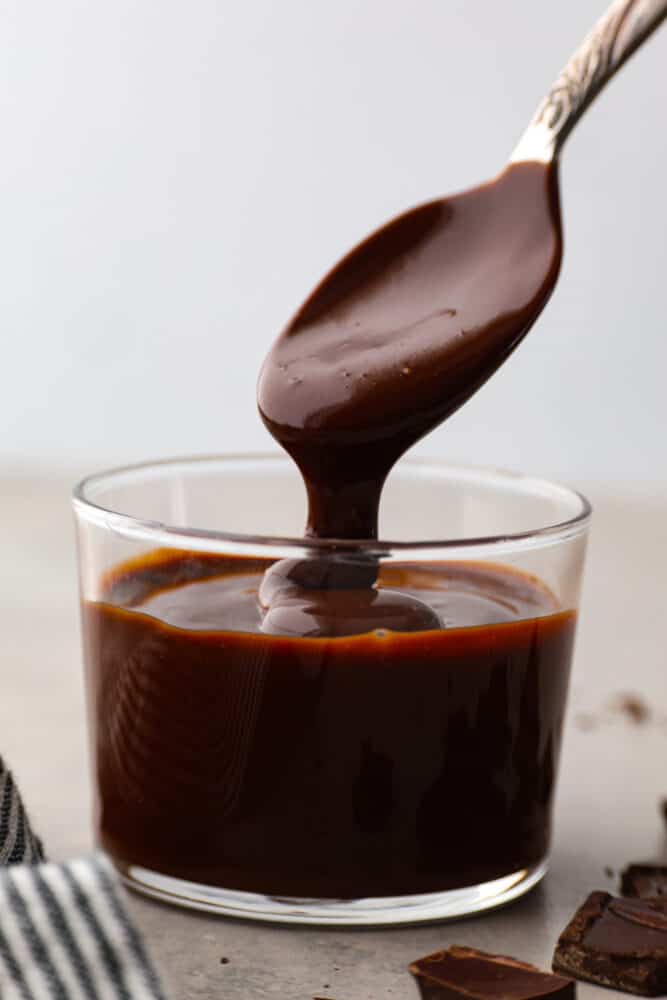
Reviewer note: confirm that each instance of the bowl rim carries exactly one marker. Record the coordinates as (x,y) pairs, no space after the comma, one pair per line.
(115,520)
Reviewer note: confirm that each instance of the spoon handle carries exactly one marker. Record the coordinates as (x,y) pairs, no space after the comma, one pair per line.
(621,30)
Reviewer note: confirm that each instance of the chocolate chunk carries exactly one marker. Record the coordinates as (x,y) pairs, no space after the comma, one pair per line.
(620,943)
(644,881)
(465,973)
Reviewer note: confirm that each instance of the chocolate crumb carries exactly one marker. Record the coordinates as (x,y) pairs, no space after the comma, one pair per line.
(585,721)
(224,960)
(633,707)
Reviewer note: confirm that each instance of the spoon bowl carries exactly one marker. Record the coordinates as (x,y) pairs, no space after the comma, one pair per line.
(412,321)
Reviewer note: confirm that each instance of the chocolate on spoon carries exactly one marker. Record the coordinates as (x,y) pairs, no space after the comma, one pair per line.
(402,332)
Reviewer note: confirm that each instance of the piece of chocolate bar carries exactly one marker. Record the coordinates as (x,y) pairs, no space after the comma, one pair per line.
(621,943)
(644,881)
(465,974)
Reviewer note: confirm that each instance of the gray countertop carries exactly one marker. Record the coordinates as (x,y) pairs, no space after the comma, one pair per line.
(612,775)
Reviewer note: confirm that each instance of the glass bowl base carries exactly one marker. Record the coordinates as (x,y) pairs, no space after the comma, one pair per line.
(374,911)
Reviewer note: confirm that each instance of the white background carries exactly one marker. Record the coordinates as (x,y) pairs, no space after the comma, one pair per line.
(175,176)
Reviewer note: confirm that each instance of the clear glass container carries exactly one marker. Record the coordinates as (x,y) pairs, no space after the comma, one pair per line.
(371,777)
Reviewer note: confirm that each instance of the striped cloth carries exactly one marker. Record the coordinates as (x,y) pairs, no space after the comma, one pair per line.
(17,841)
(64,933)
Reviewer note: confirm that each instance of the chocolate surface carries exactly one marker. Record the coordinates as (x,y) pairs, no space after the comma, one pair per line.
(466,974)
(644,881)
(367,765)
(621,943)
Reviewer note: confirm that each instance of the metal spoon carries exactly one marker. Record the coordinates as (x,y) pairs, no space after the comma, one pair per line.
(618,33)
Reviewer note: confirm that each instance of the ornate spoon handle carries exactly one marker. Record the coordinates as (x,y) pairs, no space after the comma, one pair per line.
(626,24)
